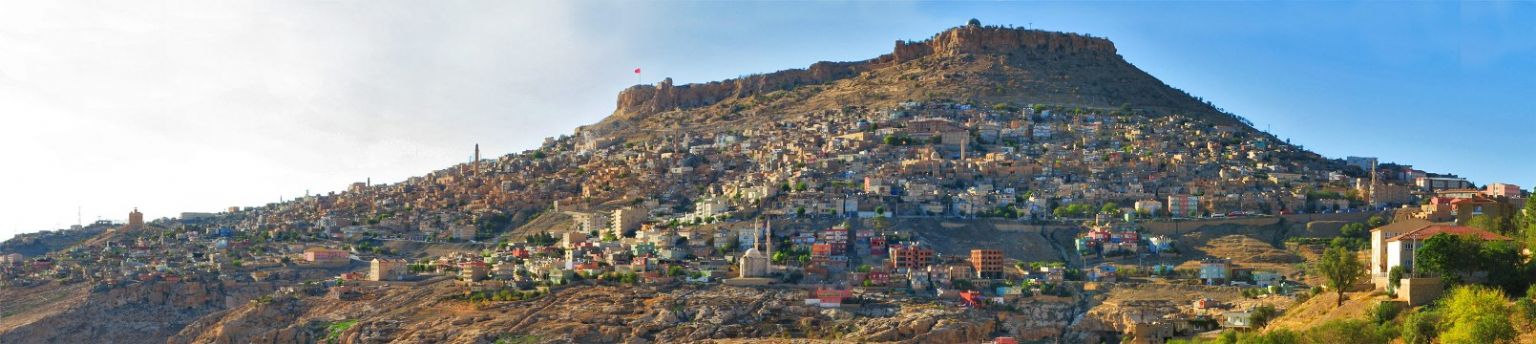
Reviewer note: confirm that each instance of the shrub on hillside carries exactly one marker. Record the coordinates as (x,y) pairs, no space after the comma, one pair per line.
(1262,314)
(1385,311)
(1476,314)
(1349,331)
(1421,327)
(1525,311)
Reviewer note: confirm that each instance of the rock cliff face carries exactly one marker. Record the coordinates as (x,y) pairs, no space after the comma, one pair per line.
(663,96)
(138,313)
(36,244)
(970,39)
(975,39)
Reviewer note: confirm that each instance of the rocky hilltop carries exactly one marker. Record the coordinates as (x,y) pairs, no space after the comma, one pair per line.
(1019,65)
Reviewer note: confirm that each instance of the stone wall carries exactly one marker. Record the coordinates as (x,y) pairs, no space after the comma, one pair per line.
(1184,226)
(664,96)
(1420,291)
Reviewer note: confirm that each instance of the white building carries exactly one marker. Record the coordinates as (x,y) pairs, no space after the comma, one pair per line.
(710,207)
(1148,206)
(1395,244)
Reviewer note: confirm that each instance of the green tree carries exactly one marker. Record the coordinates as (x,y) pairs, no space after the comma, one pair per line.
(1506,265)
(1354,230)
(1260,315)
(1352,244)
(1341,270)
(1446,255)
(540,239)
(1345,331)
(1489,223)
(1394,279)
(1421,327)
(1526,221)
(1385,312)
(1376,221)
(1476,314)
(1110,208)
(880,223)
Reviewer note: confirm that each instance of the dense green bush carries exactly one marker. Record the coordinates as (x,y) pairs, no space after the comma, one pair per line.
(1476,314)
(1385,312)
(1349,331)
(1262,314)
(1421,327)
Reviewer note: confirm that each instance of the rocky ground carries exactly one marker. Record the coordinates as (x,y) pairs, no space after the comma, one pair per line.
(602,314)
(137,313)
(428,311)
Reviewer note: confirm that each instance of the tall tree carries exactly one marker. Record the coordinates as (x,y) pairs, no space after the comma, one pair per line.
(1476,314)
(1341,269)
(1376,221)
(1447,256)
(1526,221)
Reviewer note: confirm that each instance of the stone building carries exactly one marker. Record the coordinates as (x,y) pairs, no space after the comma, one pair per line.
(135,220)
(386,270)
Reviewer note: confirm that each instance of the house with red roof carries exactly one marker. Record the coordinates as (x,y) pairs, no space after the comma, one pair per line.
(1461,208)
(1394,245)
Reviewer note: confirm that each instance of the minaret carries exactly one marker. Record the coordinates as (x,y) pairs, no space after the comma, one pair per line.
(757,239)
(963,145)
(769,234)
(1371,191)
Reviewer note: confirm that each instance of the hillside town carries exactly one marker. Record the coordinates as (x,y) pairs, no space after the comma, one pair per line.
(813,204)
(991,184)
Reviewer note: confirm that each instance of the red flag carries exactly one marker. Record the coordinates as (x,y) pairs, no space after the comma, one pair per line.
(637,70)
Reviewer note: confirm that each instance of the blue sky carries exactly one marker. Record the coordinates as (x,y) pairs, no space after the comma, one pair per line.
(1446,87)
(175,106)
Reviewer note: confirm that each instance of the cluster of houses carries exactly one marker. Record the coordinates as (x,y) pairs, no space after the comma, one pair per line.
(830,261)
(915,159)
(169,251)
(666,204)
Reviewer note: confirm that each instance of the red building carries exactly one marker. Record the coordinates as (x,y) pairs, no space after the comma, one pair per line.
(911,256)
(988,263)
(821,250)
(837,237)
(832,296)
(878,277)
(325,255)
(877,246)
